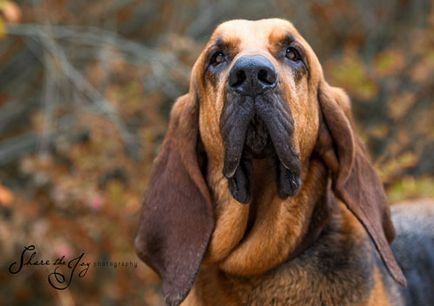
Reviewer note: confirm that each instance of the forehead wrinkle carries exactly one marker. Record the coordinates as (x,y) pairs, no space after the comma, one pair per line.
(250,39)
(224,41)
(254,35)
(243,33)
(282,37)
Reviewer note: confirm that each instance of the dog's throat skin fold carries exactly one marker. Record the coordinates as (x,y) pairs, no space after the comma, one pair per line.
(257,128)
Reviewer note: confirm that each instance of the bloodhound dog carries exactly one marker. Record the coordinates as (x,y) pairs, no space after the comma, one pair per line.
(262,193)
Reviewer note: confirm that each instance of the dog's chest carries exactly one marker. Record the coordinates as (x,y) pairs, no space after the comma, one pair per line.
(299,284)
(337,271)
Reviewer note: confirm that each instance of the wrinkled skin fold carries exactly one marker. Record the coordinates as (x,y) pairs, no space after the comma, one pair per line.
(279,138)
(244,141)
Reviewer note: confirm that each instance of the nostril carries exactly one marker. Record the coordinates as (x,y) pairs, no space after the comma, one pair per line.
(252,75)
(240,77)
(266,77)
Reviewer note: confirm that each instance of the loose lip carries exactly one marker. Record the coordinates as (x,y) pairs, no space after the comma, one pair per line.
(235,122)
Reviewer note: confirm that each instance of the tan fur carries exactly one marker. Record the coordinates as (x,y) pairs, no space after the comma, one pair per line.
(314,248)
(284,220)
(299,281)
(379,294)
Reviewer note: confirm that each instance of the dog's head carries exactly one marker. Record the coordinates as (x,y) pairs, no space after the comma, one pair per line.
(257,92)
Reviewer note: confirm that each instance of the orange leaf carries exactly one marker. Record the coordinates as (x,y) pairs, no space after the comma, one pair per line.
(6,196)
(10,11)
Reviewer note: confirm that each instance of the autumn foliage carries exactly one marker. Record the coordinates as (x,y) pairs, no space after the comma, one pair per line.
(85,92)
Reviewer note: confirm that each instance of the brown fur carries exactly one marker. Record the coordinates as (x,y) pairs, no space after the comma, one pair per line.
(310,249)
(306,280)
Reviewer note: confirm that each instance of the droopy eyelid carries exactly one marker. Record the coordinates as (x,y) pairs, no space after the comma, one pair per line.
(219,46)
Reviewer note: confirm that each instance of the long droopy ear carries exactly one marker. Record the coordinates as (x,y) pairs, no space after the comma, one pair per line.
(355,181)
(177,219)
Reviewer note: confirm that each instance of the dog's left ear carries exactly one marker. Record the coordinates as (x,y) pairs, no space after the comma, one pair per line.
(355,181)
(177,219)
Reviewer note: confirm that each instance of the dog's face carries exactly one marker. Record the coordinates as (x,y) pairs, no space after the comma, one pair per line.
(256,83)
(257,93)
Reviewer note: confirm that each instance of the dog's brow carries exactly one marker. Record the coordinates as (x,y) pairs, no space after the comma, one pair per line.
(222,43)
(287,39)
(281,37)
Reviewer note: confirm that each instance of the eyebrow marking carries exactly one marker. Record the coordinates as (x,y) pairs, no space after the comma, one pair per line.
(289,38)
(225,43)
(281,38)
(218,43)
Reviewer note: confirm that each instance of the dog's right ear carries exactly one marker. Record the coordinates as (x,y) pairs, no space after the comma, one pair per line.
(177,219)
(355,181)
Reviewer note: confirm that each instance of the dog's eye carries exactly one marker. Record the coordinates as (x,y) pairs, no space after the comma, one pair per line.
(217,58)
(293,54)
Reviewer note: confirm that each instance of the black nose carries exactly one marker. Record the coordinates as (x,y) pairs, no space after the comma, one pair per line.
(252,75)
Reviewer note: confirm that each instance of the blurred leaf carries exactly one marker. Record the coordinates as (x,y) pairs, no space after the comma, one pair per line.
(350,73)
(400,105)
(378,131)
(6,196)
(389,62)
(10,11)
(116,193)
(2,28)
(409,187)
(396,165)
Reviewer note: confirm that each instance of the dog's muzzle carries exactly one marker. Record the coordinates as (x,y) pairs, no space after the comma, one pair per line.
(256,122)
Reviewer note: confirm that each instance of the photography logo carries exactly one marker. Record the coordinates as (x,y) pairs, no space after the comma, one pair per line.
(61,270)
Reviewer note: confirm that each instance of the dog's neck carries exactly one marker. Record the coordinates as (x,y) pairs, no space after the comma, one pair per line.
(323,205)
(332,255)
(254,238)
(338,262)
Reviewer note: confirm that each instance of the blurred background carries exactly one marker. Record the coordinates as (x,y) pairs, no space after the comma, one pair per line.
(85,92)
